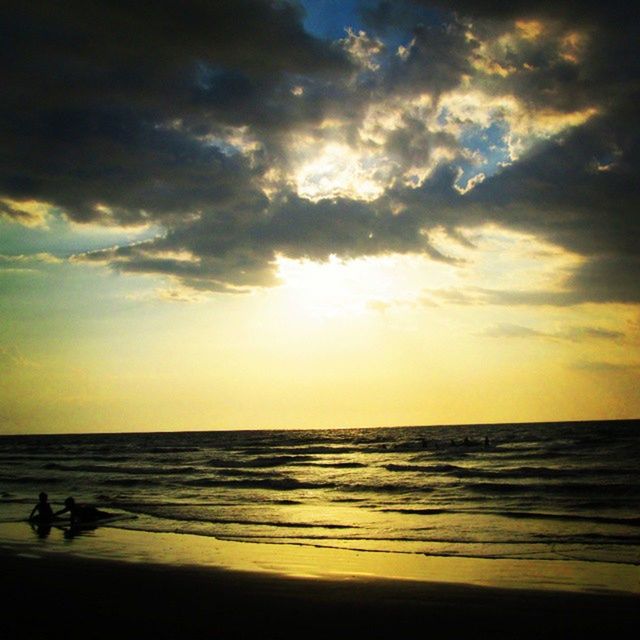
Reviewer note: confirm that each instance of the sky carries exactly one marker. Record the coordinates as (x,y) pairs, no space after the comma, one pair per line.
(318,213)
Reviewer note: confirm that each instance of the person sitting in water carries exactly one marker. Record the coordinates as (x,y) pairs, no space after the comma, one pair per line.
(81,513)
(42,512)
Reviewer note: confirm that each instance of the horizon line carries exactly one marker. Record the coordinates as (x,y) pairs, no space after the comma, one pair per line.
(258,429)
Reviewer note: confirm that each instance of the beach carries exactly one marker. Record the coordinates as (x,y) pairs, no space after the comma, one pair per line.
(380,533)
(80,597)
(126,583)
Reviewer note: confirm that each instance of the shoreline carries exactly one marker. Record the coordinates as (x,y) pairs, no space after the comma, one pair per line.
(298,560)
(183,549)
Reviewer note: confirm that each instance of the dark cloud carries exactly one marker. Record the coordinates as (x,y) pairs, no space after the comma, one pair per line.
(108,103)
(435,60)
(580,192)
(86,157)
(234,248)
(576,12)
(581,189)
(540,76)
(201,62)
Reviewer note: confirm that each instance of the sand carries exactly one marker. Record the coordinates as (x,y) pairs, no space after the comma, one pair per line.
(88,598)
(84,588)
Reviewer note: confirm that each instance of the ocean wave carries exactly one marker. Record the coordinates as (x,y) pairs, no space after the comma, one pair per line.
(278,524)
(522,515)
(246,473)
(552,541)
(28,457)
(385,488)
(333,465)
(62,457)
(307,449)
(560,488)
(551,472)
(9,499)
(511,473)
(278,484)
(93,468)
(423,468)
(33,480)
(479,549)
(125,482)
(170,449)
(626,521)
(587,539)
(417,512)
(259,462)
(533,454)
(155,507)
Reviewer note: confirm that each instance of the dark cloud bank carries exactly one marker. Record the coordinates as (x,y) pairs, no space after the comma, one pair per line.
(115,112)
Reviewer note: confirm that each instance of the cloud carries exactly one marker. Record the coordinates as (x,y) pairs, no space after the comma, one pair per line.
(571,334)
(556,194)
(239,250)
(580,189)
(579,334)
(363,48)
(172,293)
(179,295)
(45,257)
(435,60)
(28,213)
(601,366)
(531,297)
(511,331)
(380,306)
(200,118)
(107,108)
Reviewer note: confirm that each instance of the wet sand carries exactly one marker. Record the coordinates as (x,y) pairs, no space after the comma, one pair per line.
(86,598)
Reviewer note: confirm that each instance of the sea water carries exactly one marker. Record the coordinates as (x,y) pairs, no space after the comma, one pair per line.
(549,491)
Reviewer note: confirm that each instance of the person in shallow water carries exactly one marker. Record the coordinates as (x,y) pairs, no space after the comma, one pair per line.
(42,512)
(81,513)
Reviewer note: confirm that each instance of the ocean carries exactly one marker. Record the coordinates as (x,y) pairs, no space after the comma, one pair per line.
(550,491)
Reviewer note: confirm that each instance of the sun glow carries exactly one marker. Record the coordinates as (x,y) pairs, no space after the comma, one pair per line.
(336,287)
(495,259)
(340,288)
(337,170)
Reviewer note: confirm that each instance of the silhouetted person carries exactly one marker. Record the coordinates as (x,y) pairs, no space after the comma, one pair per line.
(81,513)
(42,512)
(41,516)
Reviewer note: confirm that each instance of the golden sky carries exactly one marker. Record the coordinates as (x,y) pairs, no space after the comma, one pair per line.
(305,214)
